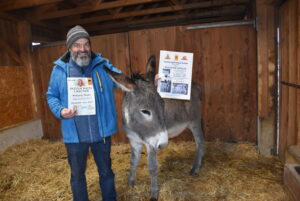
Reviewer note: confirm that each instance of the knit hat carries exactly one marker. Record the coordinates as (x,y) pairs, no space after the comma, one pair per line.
(76,33)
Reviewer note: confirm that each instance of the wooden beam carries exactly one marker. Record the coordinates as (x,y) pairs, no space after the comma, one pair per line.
(150,11)
(11,52)
(8,16)
(87,9)
(174,2)
(24,39)
(298,67)
(45,8)
(94,2)
(18,4)
(198,21)
(205,14)
(115,11)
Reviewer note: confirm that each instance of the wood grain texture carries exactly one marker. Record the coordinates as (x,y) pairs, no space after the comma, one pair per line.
(290,73)
(9,35)
(115,48)
(224,64)
(266,57)
(16,88)
(15,99)
(43,59)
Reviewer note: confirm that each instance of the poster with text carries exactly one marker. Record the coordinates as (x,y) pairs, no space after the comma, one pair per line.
(175,72)
(81,95)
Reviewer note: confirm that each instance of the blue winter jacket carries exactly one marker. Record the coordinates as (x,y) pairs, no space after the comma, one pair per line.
(57,96)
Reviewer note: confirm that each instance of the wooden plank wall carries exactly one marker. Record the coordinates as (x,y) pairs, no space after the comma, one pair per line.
(16,100)
(290,73)
(224,63)
(10,38)
(115,47)
(43,59)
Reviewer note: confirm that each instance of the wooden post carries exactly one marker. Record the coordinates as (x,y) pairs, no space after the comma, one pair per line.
(24,39)
(289,13)
(298,67)
(266,75)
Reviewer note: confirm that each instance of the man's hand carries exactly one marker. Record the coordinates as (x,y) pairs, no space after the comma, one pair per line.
(156,79)
(68,113)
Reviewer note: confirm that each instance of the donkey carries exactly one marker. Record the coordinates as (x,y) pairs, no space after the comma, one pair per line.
(150,120)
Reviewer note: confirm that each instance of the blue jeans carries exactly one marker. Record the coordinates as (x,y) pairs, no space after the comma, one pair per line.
(77,157)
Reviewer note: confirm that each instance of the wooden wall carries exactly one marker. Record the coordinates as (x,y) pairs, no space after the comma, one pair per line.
(115,47)
(16,80)
(43,61)
(224,63)
(290,75)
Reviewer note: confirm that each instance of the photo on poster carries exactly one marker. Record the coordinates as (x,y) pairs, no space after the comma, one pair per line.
(165,86)
(166,72)
(180,88)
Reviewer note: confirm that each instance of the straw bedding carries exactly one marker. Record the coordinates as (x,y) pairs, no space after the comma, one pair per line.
(38,170)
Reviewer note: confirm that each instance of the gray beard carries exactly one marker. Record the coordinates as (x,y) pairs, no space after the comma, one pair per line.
(83,61)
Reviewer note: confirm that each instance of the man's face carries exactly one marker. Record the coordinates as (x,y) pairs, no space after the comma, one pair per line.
(81,52)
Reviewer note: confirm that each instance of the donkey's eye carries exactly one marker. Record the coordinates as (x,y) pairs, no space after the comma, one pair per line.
(146,112)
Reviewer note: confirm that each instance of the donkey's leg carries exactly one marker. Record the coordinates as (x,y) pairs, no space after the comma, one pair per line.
(135,158)
(152,166)
(196,129)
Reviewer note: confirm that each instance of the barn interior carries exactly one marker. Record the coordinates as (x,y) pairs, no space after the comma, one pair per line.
(246,58)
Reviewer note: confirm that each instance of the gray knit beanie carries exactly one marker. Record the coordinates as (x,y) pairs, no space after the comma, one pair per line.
(76,33)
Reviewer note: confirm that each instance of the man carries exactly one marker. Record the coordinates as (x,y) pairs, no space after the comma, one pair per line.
(88,131)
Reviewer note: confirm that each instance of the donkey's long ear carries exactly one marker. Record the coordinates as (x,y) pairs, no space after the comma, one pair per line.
(151,67)
(125,83)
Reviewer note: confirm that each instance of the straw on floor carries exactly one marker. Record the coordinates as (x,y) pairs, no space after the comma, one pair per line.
(37,170)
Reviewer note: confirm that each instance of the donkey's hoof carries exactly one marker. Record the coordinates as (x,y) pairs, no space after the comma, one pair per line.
(153,199)
(193,172)
(131,182)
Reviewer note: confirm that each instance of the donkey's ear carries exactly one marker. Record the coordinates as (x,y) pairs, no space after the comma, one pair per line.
(125,83)
(151,67)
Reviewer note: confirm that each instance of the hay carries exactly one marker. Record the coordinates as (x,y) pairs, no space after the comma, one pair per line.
(37,170)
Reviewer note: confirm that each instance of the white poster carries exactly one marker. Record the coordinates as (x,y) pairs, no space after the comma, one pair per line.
(81,95)
(175,72)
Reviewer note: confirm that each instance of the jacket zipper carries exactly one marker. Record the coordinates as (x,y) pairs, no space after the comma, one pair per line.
(101,89)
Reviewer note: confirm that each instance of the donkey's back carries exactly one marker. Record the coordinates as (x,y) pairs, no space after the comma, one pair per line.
(181,114)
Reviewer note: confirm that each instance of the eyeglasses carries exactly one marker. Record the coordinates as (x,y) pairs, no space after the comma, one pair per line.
(78,45)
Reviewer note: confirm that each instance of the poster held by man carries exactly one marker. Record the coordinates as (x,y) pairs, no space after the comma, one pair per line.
(81,95)
(175,73)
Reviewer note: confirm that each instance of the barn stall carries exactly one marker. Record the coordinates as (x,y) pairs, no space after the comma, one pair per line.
(250,104)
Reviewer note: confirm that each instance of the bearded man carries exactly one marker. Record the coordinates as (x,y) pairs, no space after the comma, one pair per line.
(81,94)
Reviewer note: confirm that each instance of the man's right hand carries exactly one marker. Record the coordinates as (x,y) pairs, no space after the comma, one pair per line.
(156,79)
(68,113)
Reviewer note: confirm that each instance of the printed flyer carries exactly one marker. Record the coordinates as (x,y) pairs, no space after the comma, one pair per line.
(81,95)
(175,72)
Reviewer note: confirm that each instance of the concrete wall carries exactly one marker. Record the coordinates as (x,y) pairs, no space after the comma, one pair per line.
(20,133)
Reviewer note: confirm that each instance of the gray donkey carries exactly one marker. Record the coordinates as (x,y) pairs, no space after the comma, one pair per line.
(150,120)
